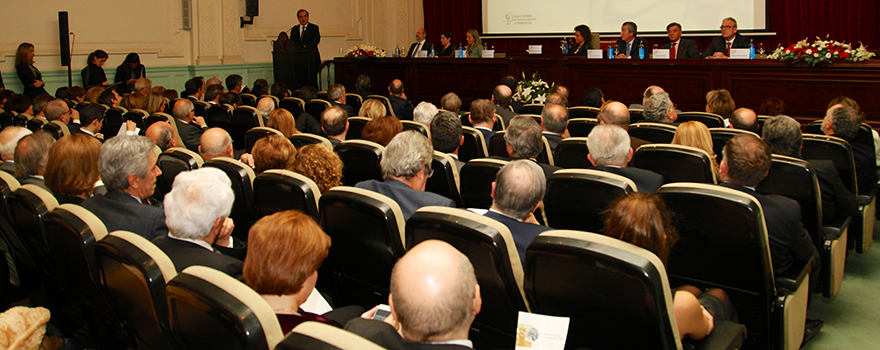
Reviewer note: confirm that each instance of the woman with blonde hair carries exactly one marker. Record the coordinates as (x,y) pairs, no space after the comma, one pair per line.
(321,164)
(281,120)
(696,134)
(474,44)
(373,108)
(720,102)
(30,76)
(93,93)
(155,102)
(273,152)
(72,168)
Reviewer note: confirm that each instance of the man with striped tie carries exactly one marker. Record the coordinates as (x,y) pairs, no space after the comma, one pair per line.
(420,45)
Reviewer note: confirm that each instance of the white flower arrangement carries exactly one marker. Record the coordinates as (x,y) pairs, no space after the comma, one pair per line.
(532,91)
(364,51)
(821,51)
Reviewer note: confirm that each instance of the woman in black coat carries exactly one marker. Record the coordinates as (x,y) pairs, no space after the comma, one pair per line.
(583,38)
(128,72)
(93,74)
(30,76)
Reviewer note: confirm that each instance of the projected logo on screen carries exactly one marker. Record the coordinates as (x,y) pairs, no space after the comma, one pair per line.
(518,19)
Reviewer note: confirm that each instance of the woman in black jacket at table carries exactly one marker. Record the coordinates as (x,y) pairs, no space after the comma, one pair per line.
(30,76)
(93,74)
(129,71)
(446,48)
(583,39)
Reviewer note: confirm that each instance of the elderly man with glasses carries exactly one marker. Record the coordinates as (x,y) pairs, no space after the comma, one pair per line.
(729,39)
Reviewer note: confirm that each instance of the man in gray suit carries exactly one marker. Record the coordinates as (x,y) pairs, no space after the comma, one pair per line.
(189,126)
(406,167)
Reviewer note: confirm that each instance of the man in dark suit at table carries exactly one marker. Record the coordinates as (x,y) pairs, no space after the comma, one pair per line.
(729,39)
(681,48)
(420,45)
(628,44)
(307,36)
(610,152)
(517,192)
(402,107)
(189,126)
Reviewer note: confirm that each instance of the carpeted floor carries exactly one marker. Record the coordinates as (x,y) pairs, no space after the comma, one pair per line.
(852,317)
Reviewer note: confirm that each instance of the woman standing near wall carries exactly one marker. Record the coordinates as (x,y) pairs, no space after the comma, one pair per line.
(129,71)
(29,75)
(93,74)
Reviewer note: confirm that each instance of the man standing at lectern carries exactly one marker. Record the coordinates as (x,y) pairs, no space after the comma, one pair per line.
(306,35)
(419,45)
(729,39)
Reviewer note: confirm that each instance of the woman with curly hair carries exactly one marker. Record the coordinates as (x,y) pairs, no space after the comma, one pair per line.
(320,164)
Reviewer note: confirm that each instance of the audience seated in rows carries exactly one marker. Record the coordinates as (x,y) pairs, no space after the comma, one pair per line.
(446,135)
(382,129)
(189,126)
(319,164)
(273,152)
(334,124)
(9,138)
(128,169)
(610,151)
(424,113)
(31,155)
(373,108)
(402,107)
(406,167)
(525,141)
(695,134)
(72,168)
(434,299)
(517,192)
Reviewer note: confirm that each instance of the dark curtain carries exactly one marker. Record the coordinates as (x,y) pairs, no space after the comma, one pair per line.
(846,20)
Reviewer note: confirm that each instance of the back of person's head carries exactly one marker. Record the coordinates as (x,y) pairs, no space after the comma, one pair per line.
(90,113)
(748,160)
(261,87)
(197,199)
(230,98)
(524,136)
(556,99)
(308,93)
(395,87)
(333,120)
(519,186)
(72,166)
(6,93)
(615,113)
(434,293)
(773,106)
(9,139)
(555,118)
(845,121)
(233,81)
(335,91)
(281,120)
(75,93)
(502,95)
(155,102)
(279,90)
(212,91)
(363,82)
(321,164)
(424,112)
(382,129)
(273,152)
(783,134)
(720,102)
(59,93)
(744,119)
(843,100)
(694,134)
(142,85)
(265,106)
(406,155)
(55,109)
(122,156)
(286,248)
(41,101)
(593,97)
(93,93)
(450,102)
(446,132)
(482,111)
(642,219)
(656,108)
(18,103)
(559,89)
(510,81)
(170,94)
(373,108)
(182,108)
(651,91)
(194,85)
(608,145)
(161,134)
(215,142)
(107,97)
(32,153)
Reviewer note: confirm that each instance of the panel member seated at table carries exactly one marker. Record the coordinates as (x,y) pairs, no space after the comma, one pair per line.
(628,45)
(681,48)
(446,49)
(583,40)
(420,45)
(729,39)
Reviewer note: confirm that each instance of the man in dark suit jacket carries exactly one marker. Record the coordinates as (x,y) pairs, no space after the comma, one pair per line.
(402,107)
(91,117)
(334,123)
(501,97)
(482,117)
(554,121)
(189,126)
(420,45)
(729,39)
(31,155)
(434,296)
(746,161)
(122,207)
(684,48)
(196,211)
(628,44)
(336,96)
(517,192)
(446,135)
(407,151)
(306,36)
(844,122)
(610,152)
(524,141)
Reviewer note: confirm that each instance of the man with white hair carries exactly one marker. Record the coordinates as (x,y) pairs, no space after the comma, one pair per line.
(434,299)
(610,151)
(189,126)
(128,169)
(8,140)
(196,211)
(660,109)
(265,106)
(336,96)
(518,190)
(424,113)
(406,167)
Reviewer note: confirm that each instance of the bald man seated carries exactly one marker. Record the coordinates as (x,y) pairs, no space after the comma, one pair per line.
(8,140)
(434,299)
(744,119)
(162,135)
(616,113)
(216,142)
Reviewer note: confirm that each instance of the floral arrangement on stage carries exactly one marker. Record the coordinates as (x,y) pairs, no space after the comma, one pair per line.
(821,51)
(364,51)
(532,91)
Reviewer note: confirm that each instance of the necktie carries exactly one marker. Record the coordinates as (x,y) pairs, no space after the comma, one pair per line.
(673,51)
(302,30)
(728,48)
(628,48)
(418,48)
